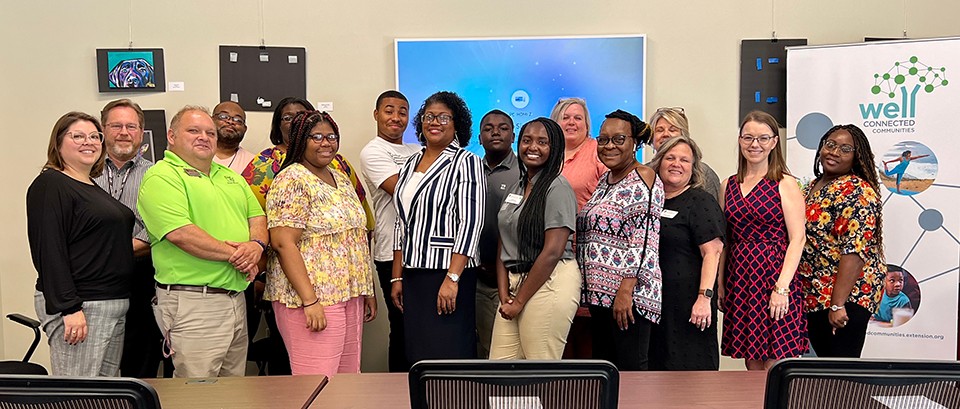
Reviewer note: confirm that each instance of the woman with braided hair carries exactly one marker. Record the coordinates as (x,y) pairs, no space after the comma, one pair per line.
(618,235)
(842,267)
(537,274)
(319,275)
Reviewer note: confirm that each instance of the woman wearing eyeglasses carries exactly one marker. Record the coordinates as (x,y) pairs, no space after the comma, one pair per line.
(79,238)
(264,167)
(842,267)
(259,174)
(319,275)
(672,122)
(618,235)
(440,198)
(760,292)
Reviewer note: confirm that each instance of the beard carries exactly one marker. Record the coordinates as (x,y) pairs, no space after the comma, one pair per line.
(124,152)
(229,137)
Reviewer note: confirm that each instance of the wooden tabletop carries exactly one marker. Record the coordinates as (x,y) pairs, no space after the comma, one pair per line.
(668,390)
(254,392)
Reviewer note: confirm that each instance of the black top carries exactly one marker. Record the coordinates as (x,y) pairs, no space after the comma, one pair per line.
(688,220)
(80,242)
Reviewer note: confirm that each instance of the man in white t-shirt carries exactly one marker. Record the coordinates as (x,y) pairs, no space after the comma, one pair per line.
(380,162)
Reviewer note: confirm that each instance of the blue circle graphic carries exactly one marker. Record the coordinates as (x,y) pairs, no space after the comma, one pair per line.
(930,219)
(811,128)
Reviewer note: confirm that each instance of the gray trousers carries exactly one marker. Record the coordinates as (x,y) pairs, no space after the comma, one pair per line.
(99,354)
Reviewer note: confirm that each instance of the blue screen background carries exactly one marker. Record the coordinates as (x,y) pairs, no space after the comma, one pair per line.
(607,72)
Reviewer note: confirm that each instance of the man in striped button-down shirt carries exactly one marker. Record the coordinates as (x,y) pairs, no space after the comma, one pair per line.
(122,173)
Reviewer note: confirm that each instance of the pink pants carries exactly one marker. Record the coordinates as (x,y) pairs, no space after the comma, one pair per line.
(336,349)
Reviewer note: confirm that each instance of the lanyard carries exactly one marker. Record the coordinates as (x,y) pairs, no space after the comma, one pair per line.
(123,181)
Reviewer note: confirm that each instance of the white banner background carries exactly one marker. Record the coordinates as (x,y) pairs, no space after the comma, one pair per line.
(846,84)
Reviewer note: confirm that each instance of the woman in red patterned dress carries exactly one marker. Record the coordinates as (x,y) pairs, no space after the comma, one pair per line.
(760,293)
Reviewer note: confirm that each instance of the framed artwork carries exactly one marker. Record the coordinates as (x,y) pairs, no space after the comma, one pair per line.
(154,134)
(130,70)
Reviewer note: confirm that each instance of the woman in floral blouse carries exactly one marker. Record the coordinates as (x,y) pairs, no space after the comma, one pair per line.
(319,276)
(618,235)
(842,266)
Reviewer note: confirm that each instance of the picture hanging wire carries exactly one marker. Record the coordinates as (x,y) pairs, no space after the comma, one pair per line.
(773,19)
(263,42)
(130,26)
(904,18)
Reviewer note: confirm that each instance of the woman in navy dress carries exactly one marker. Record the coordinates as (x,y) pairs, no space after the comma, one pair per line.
(763,319)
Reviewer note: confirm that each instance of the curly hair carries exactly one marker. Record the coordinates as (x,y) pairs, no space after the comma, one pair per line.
(530,225)
(863,166)
(639,130)
(462,120)
(276,137)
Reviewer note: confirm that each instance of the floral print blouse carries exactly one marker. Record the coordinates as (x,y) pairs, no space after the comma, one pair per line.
(841,219)
(263,168)
(333,243)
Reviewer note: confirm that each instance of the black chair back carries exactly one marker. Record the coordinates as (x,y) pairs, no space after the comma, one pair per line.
(483,384)
(49,392)
(811,383)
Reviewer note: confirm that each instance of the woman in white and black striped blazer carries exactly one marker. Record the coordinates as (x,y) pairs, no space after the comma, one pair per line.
(440,203)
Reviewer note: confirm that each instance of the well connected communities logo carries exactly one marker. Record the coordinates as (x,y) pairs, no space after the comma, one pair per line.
(904,79)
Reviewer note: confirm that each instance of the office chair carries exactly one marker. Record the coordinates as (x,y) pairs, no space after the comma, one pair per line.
(24,366)
(482,384)
(49,392)
(811,383)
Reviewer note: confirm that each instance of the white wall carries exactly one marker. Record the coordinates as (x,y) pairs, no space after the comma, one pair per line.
(48,68)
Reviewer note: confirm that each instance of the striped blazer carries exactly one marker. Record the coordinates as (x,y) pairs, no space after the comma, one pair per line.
(446,214)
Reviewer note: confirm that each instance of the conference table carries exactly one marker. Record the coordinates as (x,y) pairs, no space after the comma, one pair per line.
(666,390)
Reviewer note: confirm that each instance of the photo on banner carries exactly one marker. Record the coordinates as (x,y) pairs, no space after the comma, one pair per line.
(899,93)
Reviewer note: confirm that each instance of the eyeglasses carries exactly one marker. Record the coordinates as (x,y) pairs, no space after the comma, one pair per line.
(80,137)
(223,116)
(678,110)
(747,139)
(444,118)
(831,146)
(118,127)
(319,137)
(289,117)
(616,139)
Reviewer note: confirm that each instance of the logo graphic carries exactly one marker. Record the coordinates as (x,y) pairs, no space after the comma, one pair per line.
(520,99)
(905,78)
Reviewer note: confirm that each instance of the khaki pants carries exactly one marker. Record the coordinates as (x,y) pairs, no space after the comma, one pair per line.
(207,332)
(540,330)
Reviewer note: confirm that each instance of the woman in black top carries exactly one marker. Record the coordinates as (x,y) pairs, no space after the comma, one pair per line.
(80,242)
(691,238)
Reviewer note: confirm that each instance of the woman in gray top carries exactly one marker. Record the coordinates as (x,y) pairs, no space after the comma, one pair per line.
(537,274)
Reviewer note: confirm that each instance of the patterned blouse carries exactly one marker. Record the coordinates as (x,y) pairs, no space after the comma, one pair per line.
(841,219)
(264,167)
(334,241)
(618,236)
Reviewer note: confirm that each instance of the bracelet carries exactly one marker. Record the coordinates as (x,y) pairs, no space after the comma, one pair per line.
(782,291)
(396,280)
(314,302)
(262,244)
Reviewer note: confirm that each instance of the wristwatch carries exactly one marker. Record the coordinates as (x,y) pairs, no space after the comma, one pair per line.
(453,276)
(836,308)
(706,292)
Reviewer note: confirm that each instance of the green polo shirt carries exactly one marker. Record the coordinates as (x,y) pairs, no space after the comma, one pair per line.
(174,194)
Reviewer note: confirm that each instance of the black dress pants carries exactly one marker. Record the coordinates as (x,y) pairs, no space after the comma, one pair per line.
(627,349)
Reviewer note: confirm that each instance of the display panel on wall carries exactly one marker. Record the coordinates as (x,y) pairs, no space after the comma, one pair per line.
(763,76)
(257,78)
(130,70)
(525,77)
(154,134)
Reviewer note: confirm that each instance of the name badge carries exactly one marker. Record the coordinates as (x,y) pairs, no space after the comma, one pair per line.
(513,198)
(668,213)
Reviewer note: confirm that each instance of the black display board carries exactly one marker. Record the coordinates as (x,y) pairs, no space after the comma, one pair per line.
(154,134)
(763,76)
(259,77)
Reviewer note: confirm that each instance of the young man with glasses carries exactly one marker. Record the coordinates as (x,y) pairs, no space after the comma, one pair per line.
(231,124)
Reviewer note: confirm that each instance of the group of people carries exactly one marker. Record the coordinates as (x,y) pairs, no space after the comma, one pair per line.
(489,257)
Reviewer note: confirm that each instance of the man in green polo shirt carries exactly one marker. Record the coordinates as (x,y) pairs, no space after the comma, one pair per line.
(207,234)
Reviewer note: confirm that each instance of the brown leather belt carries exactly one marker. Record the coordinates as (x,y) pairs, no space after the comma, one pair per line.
(197,289)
